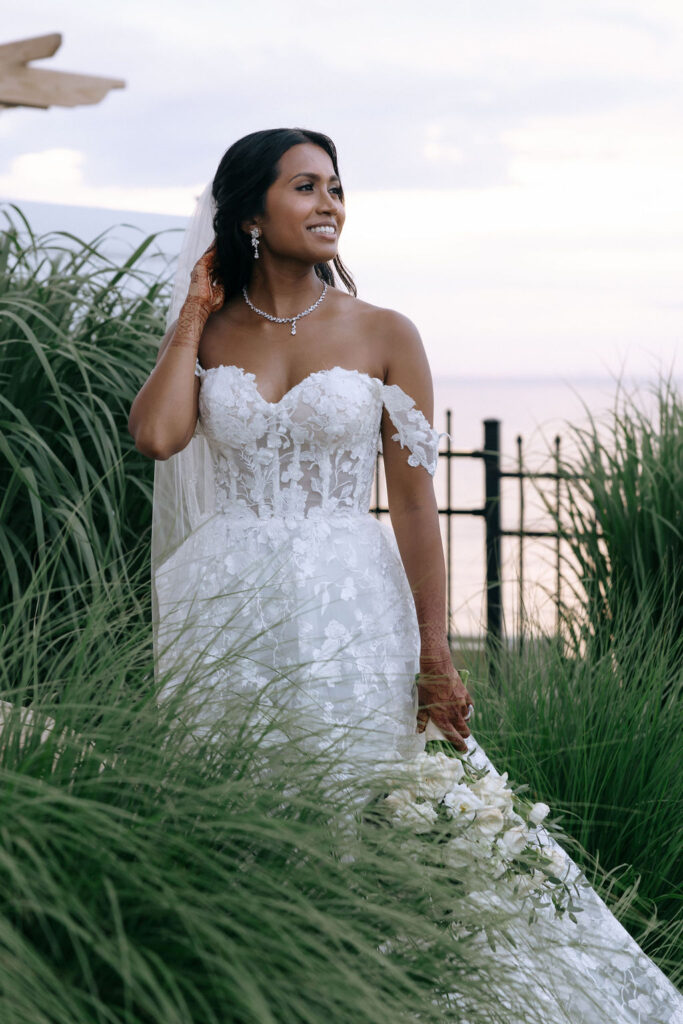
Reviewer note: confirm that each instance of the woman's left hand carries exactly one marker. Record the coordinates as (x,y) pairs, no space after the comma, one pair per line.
(443,697)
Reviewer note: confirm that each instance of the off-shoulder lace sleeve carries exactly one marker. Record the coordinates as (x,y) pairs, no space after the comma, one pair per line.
(412,428)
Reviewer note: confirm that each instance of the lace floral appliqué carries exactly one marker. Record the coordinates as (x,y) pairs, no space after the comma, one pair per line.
(413,429)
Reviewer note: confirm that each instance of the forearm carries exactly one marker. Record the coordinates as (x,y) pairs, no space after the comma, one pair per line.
(164,412)
(416,528)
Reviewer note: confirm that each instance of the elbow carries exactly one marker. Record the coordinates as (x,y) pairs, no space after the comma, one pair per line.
(149,446)
(160,449)
(156,440)
(152,451)
(135,429)
(158,454)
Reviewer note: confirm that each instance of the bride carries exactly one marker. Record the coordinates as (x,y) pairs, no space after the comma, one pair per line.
(286,376)
(272,392)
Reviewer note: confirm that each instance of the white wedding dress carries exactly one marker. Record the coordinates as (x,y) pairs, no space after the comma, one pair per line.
(294,592)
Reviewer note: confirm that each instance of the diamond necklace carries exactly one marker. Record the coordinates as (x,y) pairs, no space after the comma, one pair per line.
(285,319)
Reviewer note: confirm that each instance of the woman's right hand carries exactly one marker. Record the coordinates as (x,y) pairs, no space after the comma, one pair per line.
(204,288)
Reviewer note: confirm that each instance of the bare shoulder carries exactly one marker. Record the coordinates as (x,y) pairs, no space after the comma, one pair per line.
(392,335)
(400,343)
(382,319)
(397,330)
(404,358)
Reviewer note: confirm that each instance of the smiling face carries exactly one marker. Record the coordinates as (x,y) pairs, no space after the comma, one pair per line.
(304,212)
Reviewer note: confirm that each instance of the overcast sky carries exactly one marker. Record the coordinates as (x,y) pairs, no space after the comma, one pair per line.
(513,168)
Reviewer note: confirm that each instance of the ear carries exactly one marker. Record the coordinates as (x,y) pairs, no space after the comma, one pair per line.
(247,226)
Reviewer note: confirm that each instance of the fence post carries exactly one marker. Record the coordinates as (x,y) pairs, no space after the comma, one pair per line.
(494,607)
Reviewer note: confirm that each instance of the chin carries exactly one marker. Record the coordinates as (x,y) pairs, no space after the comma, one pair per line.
(326,253)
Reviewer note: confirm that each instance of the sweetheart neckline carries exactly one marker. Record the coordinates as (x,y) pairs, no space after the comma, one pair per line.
(315,373)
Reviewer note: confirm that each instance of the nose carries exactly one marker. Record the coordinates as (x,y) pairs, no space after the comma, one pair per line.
(326,203)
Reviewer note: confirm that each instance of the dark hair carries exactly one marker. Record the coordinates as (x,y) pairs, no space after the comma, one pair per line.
(246,172)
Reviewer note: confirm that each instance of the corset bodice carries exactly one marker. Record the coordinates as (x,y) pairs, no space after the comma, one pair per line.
(311,453)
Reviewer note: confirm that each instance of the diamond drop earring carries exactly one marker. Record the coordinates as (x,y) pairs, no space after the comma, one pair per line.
(254,241)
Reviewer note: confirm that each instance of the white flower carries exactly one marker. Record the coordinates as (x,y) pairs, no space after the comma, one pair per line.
(458,853)
(452,765)
(420,817)
(493,790)
(527,884)
(489,820)
(513,841)
(537,813)
(436,774)
(460,800)
(557,858)
(399,798)
(498,867)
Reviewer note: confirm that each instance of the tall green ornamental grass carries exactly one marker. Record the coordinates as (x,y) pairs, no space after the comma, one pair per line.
(623,513)
(78,334)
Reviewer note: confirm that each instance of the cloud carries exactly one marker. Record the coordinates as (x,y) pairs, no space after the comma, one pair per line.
(512,170)
(378,82)
(57,174)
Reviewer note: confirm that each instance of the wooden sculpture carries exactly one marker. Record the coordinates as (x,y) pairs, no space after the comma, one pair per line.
(24,86)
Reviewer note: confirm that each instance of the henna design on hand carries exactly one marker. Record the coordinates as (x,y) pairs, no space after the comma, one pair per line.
(205,286)
(191,320)
(443,697)
(434,641)
(204,297)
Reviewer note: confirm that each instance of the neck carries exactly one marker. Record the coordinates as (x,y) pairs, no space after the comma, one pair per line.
(283,290)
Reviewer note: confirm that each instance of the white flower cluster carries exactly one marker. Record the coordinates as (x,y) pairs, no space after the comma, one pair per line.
(485,829)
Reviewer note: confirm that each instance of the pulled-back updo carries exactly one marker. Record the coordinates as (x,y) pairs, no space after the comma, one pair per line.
(244,175)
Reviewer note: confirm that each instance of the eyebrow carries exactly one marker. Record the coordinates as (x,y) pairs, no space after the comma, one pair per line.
(316,177)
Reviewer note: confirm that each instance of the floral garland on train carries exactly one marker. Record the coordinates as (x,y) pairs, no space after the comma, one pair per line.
(492,836)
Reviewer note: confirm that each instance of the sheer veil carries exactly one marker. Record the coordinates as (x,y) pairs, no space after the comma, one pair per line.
(184,484)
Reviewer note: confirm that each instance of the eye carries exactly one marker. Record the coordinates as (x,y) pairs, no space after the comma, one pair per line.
(337,189)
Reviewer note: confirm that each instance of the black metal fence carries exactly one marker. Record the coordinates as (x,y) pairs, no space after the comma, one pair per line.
(493,475)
